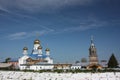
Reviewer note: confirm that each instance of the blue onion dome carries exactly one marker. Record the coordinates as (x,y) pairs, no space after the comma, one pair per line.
(25,48)
(36,41)
(40,47)
(47,49)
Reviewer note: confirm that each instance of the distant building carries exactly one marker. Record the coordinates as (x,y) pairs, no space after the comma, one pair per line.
(62,66)
(5,66)
(79,65)
(14,63)
(104,63)
(119,64)
(76,66)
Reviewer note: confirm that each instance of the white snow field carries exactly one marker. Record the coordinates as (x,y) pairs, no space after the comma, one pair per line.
(18,75)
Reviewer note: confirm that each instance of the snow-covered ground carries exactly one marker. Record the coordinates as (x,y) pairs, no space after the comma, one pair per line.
(12,75)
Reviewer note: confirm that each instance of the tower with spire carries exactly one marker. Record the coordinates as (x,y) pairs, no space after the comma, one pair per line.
(36,45)
(47,50)
(25,51)
(93,58)
(22,60)
(40,51)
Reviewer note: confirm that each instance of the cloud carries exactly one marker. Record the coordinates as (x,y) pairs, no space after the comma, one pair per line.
(3,10)
(85,25)
(41,5)
(19,35)
(24,35)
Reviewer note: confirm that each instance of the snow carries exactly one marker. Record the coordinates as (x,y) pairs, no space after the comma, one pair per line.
(19,75)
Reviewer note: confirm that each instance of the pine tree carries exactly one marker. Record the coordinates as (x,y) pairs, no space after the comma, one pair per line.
(112,63)
(7,60)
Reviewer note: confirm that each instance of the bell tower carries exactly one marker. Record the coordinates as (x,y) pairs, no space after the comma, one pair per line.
(93,58)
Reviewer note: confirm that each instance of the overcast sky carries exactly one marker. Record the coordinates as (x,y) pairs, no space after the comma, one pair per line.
(65,26)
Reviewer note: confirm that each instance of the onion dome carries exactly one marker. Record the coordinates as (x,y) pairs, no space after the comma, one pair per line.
(47,49)
(36,41)
(40,47)
(25,48)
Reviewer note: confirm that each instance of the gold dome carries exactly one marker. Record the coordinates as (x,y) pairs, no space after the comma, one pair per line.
(40,47)
(47,49)
(25,48)
(36,41)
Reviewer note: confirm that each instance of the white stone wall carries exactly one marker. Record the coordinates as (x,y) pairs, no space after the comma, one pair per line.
(50,61)
(22,60)
(37,67)
(22,67)
(41,67)
(75,67)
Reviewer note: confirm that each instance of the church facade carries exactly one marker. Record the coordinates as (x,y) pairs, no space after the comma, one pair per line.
(36,60)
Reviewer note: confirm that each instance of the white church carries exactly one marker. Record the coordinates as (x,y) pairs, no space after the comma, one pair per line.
(36,60)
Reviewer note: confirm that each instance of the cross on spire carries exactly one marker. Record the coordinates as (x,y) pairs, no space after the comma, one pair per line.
(37,35)
(92,39)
